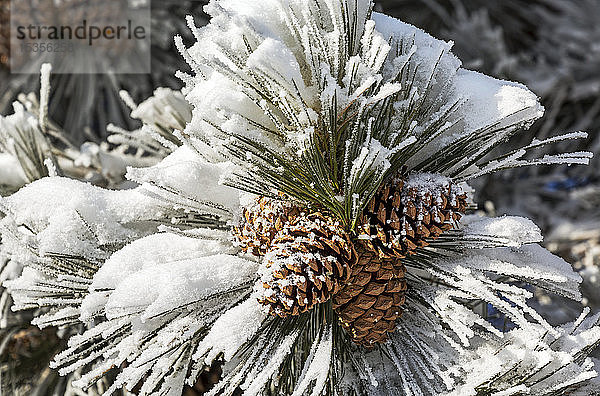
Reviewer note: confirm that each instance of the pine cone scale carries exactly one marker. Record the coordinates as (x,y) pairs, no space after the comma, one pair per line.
(375,289)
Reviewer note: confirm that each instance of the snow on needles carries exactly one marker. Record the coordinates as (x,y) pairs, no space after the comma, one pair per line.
(319,102)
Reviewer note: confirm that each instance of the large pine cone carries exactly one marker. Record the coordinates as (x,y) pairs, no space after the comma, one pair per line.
(371,301)
(309,261)
(404,213)
(261,221)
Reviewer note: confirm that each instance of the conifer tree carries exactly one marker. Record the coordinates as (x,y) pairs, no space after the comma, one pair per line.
(311,230)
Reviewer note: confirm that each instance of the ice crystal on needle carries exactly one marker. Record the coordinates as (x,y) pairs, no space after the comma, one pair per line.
(326,107)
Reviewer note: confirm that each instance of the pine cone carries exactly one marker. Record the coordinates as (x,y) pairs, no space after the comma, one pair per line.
(371,301)
(262,220)
(310,260)
(404,213)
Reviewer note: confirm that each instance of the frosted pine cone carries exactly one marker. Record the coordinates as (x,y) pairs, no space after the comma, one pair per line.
(404,213)
(310,260)
(261,221)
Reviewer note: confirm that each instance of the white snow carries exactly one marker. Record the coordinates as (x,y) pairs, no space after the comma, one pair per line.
(65,212)
(515,231)
(153,250)
(428,183)
(255,384)
(232,330)
(144,254)
(529,361)
(490,101)
(11,173)
(317,366)
(168,286)
(166,108)
(190,179)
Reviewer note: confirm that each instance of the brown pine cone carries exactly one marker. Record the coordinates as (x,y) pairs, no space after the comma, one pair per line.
(405,213)
(261,221)
(371,300)
(310,260)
